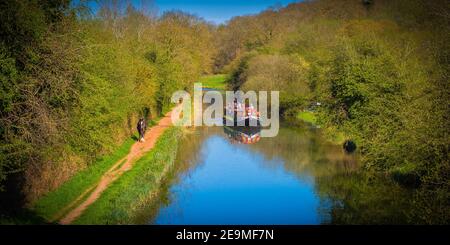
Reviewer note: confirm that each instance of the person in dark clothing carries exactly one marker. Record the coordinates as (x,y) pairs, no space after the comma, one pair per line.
(141,127)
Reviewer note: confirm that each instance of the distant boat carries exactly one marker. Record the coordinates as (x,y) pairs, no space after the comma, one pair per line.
(248,121)
(237,118)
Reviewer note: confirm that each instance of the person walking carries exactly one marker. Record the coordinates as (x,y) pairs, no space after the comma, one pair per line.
(141,127)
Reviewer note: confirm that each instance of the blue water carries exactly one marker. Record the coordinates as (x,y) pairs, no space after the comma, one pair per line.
(231,184)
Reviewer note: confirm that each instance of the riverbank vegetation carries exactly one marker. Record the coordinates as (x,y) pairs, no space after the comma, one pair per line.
(307,116)
(380,70)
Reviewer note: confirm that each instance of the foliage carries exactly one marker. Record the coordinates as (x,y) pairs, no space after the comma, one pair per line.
(73,83)
(380,71)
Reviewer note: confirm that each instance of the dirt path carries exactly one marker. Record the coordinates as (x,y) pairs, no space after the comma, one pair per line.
(124,164)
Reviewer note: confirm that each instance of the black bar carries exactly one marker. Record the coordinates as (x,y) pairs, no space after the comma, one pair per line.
(167,234)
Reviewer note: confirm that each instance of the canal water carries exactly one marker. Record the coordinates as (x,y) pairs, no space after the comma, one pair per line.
(297,177)
(222,179)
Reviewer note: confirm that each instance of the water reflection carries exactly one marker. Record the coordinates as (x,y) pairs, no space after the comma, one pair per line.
(243,135)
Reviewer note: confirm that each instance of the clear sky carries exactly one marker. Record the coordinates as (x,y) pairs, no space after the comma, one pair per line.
(216,11)
(219,11)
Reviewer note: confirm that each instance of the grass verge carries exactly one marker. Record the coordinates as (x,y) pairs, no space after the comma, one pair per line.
(307,116)
(51,205)
(218,81)
(120,202)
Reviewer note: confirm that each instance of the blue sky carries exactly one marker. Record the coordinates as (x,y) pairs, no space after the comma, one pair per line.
(216,11)
(219,11)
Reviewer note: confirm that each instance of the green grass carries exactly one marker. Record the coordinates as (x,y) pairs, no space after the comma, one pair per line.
(122,200)
(331,134)
(218,81)
(335,136)
(307,116)
(51,204)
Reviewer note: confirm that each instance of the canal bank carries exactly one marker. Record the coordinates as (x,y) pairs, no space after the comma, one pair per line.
(138,186)
(123,170)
